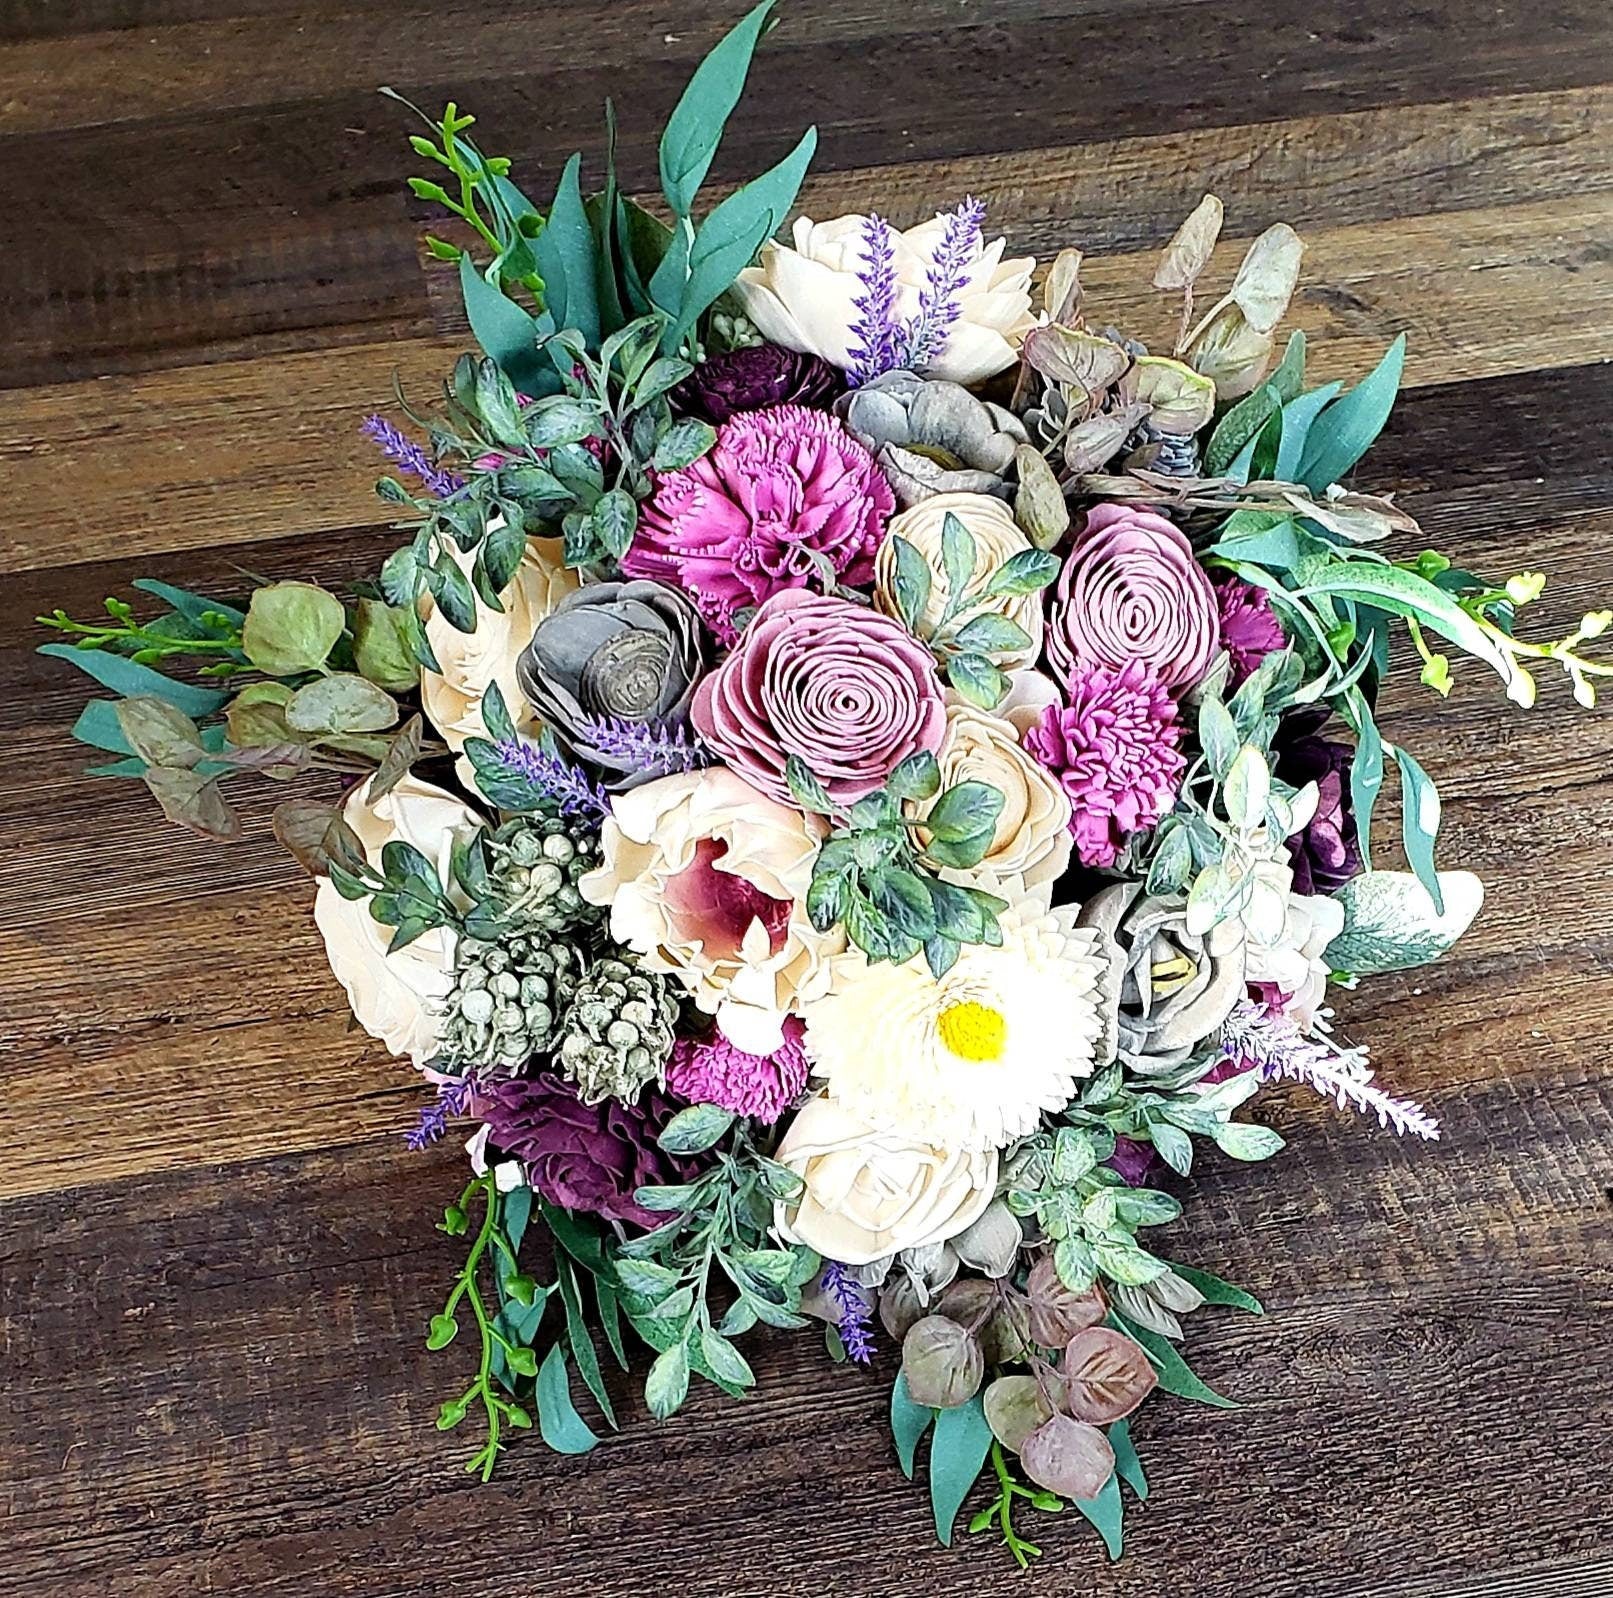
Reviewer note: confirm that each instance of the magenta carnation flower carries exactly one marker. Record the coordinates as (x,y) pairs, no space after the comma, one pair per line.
(714,1071)
(783,497)
(1114,751)
(1249,628)
(1132,590)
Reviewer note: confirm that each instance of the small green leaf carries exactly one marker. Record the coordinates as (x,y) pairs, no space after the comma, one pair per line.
(1028,572)
(1128,1467)
(1175,1374)
(696,1129)
(807,791)
(1217,1291)
(909,1422)
(124,676)
(559,1424)
(342,703)
(958,556)
(957,1455)
(667,1385)
(1106,1513)
(991,634)
(443,1330)
(912,583)
(1420,815)
(1344,432)
(682,444)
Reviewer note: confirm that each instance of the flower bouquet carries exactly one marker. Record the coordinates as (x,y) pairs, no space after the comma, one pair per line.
(887,807)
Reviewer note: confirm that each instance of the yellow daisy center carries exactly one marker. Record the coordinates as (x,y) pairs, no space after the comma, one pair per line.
(973,1031)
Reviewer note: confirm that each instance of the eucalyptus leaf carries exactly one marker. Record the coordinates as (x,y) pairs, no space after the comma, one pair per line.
(957,1455)
(130,677)
(1344,432)
(559,1424)
(909,1422)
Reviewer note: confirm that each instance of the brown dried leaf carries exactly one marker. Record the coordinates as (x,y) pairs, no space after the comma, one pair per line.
(193,801)
(1067,355)
(1057,1314)
(1061,293)
(1268,277)
(316,835)
(1099,437)
(1014,1409)
(1230,352)
(401,754)
(158,732)
(1180,400)
(1189,250)
(1068,1457)
(1106,1375)
(1040,508)
(942,1363)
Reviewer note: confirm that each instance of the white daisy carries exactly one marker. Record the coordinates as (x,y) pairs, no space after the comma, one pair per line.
(973,1059)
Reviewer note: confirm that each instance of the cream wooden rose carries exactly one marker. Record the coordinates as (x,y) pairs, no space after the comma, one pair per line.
(452,697)
(870,1194)
(805,298)
(1032,843)
(706,880)
(996,536)
(394,996)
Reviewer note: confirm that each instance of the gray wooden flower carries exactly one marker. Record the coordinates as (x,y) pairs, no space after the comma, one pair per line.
(933,437)
(611,657)
(1175,987)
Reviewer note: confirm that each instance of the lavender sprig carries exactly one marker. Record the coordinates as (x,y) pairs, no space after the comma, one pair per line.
(939,304)
(410,456)
(641,746)
(877,341)
(453,1098)
(1283,1051)
(847,1295)
(555,777)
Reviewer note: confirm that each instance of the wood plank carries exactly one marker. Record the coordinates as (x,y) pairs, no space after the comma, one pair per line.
(269,446)
(296,242)
(248,1408)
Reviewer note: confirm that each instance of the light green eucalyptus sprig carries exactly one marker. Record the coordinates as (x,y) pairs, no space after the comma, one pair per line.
(968,631)
(876,872)
(717,1239)
(510,1377)
(482,198)
(998,1515)
(192,626)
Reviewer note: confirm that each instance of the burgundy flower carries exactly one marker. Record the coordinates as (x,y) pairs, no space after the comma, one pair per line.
(590,1157)
(1114,751)
(1132,590)
(851,692)
(1326,852)
(785,499)
(752,379)
(1249,629)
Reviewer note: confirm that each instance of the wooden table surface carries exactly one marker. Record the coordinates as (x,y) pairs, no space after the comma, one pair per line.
(216,1257)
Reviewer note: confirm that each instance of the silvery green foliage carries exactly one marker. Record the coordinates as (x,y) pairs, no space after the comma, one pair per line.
(1390,923)
(507,1000)
(617,1032)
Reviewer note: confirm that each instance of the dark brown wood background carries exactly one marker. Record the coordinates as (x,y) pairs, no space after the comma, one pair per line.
(217,1259)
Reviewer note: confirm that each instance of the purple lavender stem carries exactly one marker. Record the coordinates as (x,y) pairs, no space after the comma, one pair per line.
(854,1310)
(939,305)
(879,345)
(452,1099)
(561,781)
(641,745)
(409,456)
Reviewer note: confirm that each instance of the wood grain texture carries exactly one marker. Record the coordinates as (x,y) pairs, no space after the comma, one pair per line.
(216,1259)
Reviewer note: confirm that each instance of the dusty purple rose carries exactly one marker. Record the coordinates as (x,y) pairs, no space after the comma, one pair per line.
(1114,752)
(713,1071)
(752,379)
(785,499)
(1131,590)
(1249,629)
(848,690)
(1133,1160)
(1326,852)
(581,1156)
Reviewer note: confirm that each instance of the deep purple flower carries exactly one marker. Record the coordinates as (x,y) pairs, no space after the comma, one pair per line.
(590,1157)
(1326,852)
(715,1071)
(1249,628)
(1132,1159)
(753,379)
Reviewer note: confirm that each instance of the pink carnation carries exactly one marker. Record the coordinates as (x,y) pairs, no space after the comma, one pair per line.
(1114,751)
(713,1071)
(785,496)
(1249,629)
